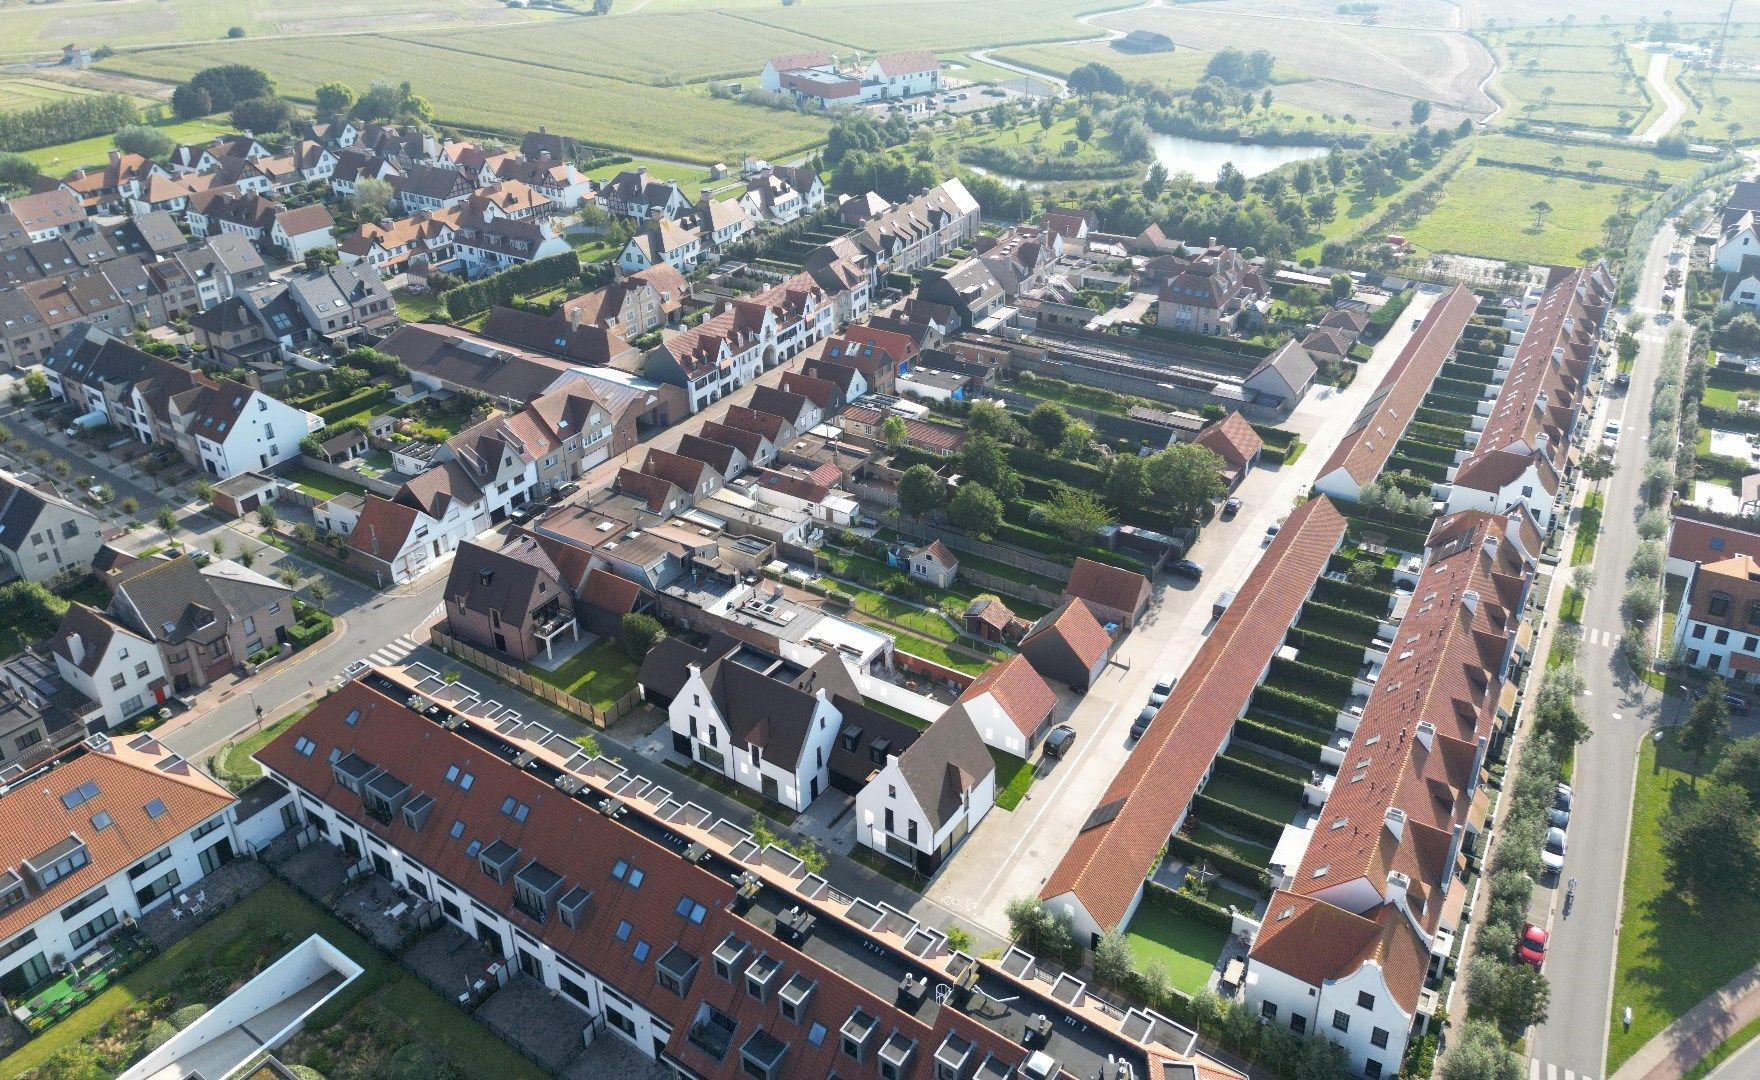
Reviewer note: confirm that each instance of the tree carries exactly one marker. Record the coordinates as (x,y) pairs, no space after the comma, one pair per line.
(1187,479)
(1740,767)
(976,510)
(984,460)
(1342,286)
(893,431)
(148,142)
(1047,116)
(319,591)
(1114,965)
(1480,1054)
(1076,515)
(371,199)
(920,491)
(333,98)
(130,505)
(1420,111)
(1047,422)
(16,170)
(1541,208)
(989,418)
(266,516)
(167,518)
(260,114)
(1156,182)
(212,89)
(1709,844)
(637,633)
(1556,714)
(1706,722)
(235,32)
(1084,127)
(219,546)
(1599,466)
(1127,482)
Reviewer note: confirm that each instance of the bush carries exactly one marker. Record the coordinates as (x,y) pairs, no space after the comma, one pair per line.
(188,1015)
(479,296)
(1249,825)
(1348,594)
(1296,706)
(1221,861)
(1315,683)
(158,1035)
(309,630)
(1386,315)
(1262,777)
(1273,738)
(1185,904)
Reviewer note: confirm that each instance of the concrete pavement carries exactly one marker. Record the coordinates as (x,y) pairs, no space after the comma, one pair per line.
(1016,851)
(1672,106)
(1620,710)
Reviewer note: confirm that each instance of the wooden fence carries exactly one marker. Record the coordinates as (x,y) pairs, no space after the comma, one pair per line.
(517,677)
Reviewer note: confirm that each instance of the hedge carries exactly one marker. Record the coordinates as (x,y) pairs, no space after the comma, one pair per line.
(1289,704)
(1317,616)
(479,296)
(1440,418)
(1360,511)
(1308,680)
(1434,471)
(1275,438)
(1437,434)
(1244,349)
(1352,596)
(1249,825)
(1428,452)
(310,629)
(1409,484)
(1710,416)
(1321,650)
(1202,910)
(1461,388)
(1454,404)
(367,397)
(1265,778)
(1386,315)
(1253,730)
(1033,463)
(1221,861)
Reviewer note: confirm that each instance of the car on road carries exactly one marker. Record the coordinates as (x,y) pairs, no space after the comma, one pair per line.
(1668,299)
(1552,855)
(1531,949)
(1736,703)
(1231,508)
(1057,743)
(1143,720)
(1163,688)
(1622,379)
(1665,317)
(1187,568)
(1271,532)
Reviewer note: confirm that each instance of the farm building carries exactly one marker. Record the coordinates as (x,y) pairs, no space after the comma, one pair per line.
(1144,41)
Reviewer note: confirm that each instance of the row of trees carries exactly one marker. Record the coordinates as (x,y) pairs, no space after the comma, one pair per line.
(66,120)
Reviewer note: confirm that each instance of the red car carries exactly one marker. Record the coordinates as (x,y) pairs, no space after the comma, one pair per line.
(1531,949)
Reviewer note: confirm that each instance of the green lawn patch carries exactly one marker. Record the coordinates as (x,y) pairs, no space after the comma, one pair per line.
(1672,951)
(1588,529)
(418,306)
(1244,850)
(233,764)
(1185,947)
(66,157)
(1013,777)
(226,947)
(599,674)
(896,713)
(1250,797)
(1719,398)
(939,653)
(1271,764)
(317,484)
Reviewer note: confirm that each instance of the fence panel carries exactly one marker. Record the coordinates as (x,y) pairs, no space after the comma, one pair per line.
(561,699)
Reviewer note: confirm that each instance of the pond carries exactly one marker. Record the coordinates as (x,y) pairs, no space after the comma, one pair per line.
(1202,158)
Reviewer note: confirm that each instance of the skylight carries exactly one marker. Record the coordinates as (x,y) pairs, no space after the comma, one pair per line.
(155,809)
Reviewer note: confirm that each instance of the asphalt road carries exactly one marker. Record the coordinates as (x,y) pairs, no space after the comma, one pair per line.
(1572,1045)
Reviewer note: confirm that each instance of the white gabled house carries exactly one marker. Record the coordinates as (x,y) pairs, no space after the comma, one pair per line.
(758,730)
(116,668)
(665,241)
(928,796)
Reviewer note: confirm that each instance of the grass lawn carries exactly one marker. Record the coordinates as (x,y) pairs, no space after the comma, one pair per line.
(1251,797)
(1673,586)
(897,714)
(319,484)
(66,157)
(1013,777)
(1484,211)
(1244,850)
(1719,398)
(230,938)
(233,764)
(1185,947)
(938,652)
(418,306)
(1723,1051)
(599,674)
(1271,764)
(1672,952)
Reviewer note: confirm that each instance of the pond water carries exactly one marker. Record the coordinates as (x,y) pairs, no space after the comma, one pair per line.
(1200,157)
(1204,159)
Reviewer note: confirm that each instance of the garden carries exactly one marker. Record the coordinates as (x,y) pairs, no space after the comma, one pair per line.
(386,1016)
(600,674)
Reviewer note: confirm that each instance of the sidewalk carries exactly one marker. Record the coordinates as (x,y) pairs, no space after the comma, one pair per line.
(1684,1043)
(216,694)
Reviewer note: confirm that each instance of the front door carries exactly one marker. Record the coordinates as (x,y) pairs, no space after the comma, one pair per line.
(352,846)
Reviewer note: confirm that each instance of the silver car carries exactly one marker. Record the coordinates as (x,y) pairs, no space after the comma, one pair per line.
(1552,856)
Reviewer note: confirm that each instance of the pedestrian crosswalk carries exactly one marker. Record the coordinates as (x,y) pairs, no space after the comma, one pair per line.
(1546,1070)
(1607,638)
(398,648)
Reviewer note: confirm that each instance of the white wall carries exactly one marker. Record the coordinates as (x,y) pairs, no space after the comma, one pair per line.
(126,653)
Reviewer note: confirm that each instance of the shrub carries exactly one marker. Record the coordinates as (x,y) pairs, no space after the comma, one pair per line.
(479,296)
(1258,829)
(1296,707)
(188,1015)
(1221,861)
(158,1035)
(1278,739)
(1185,904)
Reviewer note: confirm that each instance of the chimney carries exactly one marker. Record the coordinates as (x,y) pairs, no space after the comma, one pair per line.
(574,317)
(1397,886)
(1427,734)
(642,173)
(76,648)
(542,130)
(1396,822)
(1470,601)
(115,157)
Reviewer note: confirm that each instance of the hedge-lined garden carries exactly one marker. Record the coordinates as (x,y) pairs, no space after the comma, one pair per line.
(473,298)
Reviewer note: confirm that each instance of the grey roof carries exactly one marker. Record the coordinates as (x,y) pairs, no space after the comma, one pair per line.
(159,232)
(1749,270)
(515,581)
(336,288)
(945,764)
(457,358)
(20,507)
(94,632)
(236,254)
(174,600)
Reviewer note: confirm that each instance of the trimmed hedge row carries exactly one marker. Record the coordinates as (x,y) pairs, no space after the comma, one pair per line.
(1386,315)
(367,397)
(476,297)
(1248,824)
(1428,452)
(1433,471)
(1460,388)
(1456,404)
(1221,861)
(1439,418)
(1352,596)
(1202,910)
(1033,463)
(1437,434)
(1320,616)
(1265,778)
(1286,703)
(1315,648)
(1256,731)
(1711,416)
(310,628)
(1314,682)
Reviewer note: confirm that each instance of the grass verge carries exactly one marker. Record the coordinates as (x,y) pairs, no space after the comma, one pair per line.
(1588,529)
(1013,777)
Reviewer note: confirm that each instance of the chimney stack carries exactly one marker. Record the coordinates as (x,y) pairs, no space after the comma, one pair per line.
(76,648)
(574,316)
(1397,886)
(1396,822)
(1427,734)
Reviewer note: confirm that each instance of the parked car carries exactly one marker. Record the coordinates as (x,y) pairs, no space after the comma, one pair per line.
(1531,949)
(1187,568)
(1271,532)
(1057,743)
(1221,604)
(1561,799)
(1163,688)
(1622,379)
(1558,818)
(1552,856)
(1143,720)
(1231,508)
(1610,434)
(1735,702)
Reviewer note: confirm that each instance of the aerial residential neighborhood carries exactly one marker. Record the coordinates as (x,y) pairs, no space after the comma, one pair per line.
(949,539)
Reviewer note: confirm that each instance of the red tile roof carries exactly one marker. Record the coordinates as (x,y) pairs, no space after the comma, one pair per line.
(1108,586)
(127,779)
(1364,450)
(1021,692)
(1706,542)
(608,592)
(1106,865)
(1317,942)
(1232,439)
(383,528)
(1078,626)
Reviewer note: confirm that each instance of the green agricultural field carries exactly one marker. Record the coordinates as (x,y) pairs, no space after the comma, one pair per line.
(1485,211)
(1618,162)
(510,97)
(1181,69)
(29,93)
(1725,100)
(31,28)
(928,24)
(96,151)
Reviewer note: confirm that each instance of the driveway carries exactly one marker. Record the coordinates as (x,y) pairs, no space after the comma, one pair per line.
(1014,853)
(1580,954)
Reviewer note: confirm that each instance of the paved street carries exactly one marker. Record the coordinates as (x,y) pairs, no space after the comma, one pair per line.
(1572,1045)
(1014,853)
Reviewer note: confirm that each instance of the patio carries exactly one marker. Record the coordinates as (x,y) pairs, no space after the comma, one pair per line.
(88,977)
(544,1025)
(381,912)
(196,903)
(455,964)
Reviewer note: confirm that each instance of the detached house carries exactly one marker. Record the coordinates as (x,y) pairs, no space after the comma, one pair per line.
(933,563)
(42,535)
(121,671)
(510,601)
(1112,593)
(665,242)
(933,790)
(1011,705)
(636,194)
(205,620)
(1216,292)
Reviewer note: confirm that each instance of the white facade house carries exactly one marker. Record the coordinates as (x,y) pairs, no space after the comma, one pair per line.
(239,430)
(1740,239)
(1742,284)
(299,232)
(665,241)
(122,672)
(1356,1011)
(786,760)
(932,563)
(912,811)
